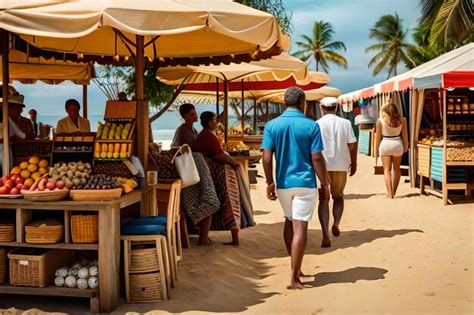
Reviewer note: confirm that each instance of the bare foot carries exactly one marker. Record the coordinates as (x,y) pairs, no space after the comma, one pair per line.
(295,285)
(208,242)
(301,274)
(335,231)
(326,242)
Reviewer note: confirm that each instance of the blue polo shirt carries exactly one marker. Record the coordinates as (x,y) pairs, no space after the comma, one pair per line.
(293,137)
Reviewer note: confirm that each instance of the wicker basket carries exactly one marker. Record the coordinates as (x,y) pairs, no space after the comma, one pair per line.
(36,267)
(95,195)
(145,287)
(3,265)
(55,195)
(7,232)
(47,231)
(144,260)
(85,228)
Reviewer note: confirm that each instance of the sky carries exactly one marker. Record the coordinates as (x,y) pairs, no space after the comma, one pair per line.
(351,21)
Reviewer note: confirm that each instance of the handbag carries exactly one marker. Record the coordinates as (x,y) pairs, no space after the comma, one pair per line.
(184,162)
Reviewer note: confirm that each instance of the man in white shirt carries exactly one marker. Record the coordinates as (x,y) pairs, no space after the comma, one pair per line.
(340,155)
(73,122)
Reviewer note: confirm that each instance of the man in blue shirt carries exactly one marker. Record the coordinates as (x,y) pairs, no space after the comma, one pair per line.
(297,144)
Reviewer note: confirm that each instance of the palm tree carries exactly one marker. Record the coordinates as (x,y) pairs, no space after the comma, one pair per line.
(391,48)
(422,52)
(450,21)
(321,48)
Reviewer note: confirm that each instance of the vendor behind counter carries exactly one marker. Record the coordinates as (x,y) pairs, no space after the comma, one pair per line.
(73,122)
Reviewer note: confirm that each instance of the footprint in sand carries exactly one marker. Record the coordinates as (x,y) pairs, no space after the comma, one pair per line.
(429,294)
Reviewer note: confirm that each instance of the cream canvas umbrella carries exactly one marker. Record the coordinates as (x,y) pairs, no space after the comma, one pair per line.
(311,95)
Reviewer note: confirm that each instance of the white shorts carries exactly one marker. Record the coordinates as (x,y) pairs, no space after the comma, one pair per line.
(391,146)
(298,203)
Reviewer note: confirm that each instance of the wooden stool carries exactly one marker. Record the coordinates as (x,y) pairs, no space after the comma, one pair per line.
(147,270)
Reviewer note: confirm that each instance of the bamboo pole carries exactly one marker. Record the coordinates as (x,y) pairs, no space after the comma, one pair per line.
(6,79)
(217,96)
(84,100)
(143,121)
(254,116)
(242,117)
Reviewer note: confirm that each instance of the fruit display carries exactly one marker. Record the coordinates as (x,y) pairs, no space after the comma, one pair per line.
(44,183)
(432,140)
(114,130)
(98,182)
(114,169)
(23,176)
(72,148)
(72,173)
(82,275)
(162,161)
(237,148)
(112,150)
(128,185)
(236,131)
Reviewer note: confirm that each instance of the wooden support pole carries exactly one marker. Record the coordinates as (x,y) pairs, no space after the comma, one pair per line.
(84,100)
(254,116)
(217,96)
(226,110)
(5,80)
(143,121)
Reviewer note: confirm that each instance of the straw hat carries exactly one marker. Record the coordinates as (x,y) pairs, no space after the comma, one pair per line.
(16,100)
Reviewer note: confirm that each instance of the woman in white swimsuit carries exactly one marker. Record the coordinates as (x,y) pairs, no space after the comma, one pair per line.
(391,143)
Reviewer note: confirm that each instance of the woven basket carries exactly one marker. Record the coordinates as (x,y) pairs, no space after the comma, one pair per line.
(36,267)
(7,232)
(55,195)
(144,260)
(85,228)
(47,231)
(3,265)
(95,195)
(145,287)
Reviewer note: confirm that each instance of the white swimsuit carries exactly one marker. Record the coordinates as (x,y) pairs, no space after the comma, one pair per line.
(392,143)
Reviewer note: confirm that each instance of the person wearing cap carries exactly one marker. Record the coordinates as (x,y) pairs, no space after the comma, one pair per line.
(340,155)
(297,144)
(73,122)
(15,108)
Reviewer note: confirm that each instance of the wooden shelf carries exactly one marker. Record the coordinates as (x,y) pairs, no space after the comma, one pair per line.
(53,246)
(73,151)
(460,163)
(49,291)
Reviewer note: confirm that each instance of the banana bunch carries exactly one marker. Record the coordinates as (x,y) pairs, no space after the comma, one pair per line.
(128,185)
(111,150)
(113,131)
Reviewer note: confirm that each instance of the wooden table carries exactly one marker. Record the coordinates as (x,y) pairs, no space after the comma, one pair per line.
(244,163)
(106,297)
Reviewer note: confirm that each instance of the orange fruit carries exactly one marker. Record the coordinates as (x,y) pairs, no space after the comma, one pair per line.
(16,170)
(43,170)
(29,182)
(24,165)
(25,173)
(34,160)
(32,168)
(35,175)
(43,163)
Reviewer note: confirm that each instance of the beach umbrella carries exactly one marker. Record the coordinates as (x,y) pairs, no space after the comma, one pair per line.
(121,32)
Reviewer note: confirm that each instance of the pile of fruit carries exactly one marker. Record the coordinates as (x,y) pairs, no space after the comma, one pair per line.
(23,176)
(431,140)
(98,182)
(44,183)
(237,146)
(72,173)
(128,185)
(111,150)
(82,275)
(114,169)
(114,131)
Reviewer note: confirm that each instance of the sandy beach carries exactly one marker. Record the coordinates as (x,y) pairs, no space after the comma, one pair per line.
(403,256)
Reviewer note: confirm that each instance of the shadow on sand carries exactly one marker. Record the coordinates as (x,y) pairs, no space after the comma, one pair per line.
(347,276)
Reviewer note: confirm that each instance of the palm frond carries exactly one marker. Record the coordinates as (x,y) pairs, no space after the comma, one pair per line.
(452,23)
(335,58)
(335,46)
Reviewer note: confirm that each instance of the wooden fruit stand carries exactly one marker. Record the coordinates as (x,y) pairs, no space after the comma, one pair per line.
(106,297)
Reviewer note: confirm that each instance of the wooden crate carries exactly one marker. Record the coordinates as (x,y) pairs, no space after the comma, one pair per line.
(36,267)
(424,160)
(120,110)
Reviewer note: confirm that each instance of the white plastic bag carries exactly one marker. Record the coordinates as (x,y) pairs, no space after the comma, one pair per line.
(185,166)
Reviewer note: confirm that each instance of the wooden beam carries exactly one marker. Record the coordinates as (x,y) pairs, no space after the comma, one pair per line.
(84,101)
(143,121)
(226,110)
(254,116)
(242,117)
(6,79)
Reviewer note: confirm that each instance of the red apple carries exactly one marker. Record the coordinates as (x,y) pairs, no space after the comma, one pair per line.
(14,177)
(50,185)
(47,189)
(10,184)
(4,190)
(68,185)
(19,180)
(60,184)
(20,186)
(14,191)
(5,178)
